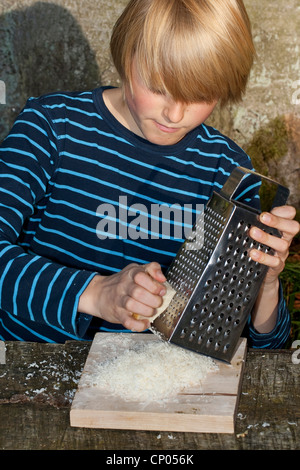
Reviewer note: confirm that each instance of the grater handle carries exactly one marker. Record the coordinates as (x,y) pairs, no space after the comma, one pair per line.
(240,173)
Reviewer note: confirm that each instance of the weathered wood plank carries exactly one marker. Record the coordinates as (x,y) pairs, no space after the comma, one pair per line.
(35,403)
(2,352)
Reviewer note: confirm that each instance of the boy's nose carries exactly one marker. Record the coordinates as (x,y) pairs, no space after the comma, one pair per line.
(174,111)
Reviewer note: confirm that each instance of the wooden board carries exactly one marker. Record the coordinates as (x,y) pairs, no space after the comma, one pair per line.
(209,408)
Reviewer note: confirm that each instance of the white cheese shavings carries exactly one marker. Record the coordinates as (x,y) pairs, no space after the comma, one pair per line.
(151,371)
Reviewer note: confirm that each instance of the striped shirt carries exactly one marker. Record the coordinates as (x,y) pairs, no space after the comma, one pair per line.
(82,195)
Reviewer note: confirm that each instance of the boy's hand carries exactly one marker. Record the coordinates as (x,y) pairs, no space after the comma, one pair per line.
(280,218)
(136,289)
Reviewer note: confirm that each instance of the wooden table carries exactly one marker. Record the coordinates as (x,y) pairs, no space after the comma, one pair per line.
(38,383)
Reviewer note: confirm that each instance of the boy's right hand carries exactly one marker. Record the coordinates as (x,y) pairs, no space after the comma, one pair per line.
(137,289)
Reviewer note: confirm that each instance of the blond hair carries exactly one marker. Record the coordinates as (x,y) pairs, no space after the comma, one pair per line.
(193,50)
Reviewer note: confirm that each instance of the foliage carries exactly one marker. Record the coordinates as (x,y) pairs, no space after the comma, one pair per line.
(290,278)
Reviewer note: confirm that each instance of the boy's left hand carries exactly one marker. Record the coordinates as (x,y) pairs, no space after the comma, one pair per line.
(281,218)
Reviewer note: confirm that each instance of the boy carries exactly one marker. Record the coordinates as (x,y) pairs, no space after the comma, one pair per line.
(128,148)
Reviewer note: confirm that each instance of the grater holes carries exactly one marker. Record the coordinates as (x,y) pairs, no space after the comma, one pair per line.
(217,312)
(231,293)
(218,272)
(220,259)
(256,274)
(200,339)
(183,332)
(242,268)
(235,266)
(250,271)
(253,244)
(216,286)
(192,335)
(196,307)
(230,235)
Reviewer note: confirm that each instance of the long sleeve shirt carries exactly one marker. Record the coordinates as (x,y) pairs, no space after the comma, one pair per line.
(81,195)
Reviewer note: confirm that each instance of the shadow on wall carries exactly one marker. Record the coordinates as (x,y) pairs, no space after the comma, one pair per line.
(42,49)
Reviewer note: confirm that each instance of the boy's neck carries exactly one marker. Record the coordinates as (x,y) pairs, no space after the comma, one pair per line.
(114,101)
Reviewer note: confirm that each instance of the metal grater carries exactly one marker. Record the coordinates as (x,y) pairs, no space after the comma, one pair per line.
(216,282)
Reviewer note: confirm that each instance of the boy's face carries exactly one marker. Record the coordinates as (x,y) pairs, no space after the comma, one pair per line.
(158,118)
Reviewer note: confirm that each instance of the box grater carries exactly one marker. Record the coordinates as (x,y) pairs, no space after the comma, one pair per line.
(215,281)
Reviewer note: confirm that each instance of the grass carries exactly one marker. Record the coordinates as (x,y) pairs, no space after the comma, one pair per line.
(290,278)
(269,145)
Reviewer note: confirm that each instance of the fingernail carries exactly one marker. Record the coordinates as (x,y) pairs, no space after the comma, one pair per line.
(265,217)
(255,254)
(257,233)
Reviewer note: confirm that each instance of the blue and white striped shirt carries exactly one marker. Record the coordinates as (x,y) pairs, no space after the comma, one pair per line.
(71,175)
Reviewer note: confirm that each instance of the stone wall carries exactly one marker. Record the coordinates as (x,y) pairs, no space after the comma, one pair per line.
(63,45)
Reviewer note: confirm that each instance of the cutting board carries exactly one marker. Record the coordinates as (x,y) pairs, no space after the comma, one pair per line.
(210,407)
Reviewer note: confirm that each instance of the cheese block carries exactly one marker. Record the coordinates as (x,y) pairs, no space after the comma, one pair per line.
(167,298)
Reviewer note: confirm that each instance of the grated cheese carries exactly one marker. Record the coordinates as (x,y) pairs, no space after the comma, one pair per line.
(150,371)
